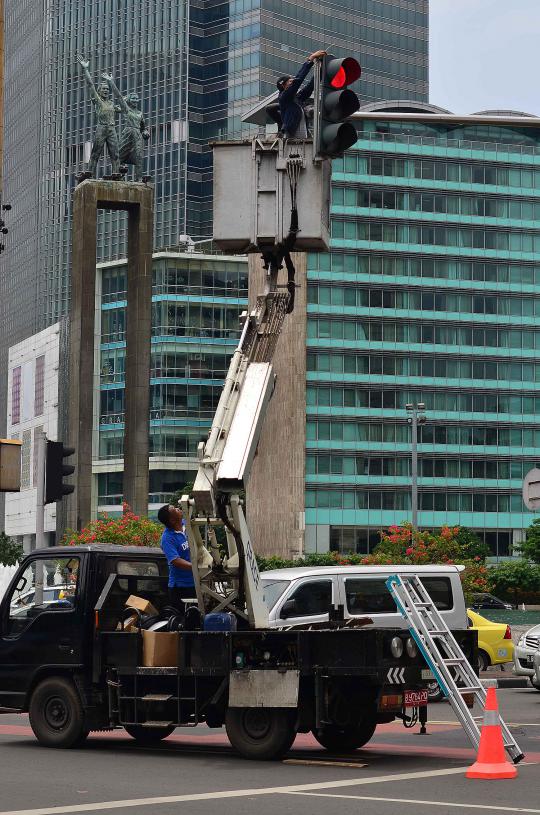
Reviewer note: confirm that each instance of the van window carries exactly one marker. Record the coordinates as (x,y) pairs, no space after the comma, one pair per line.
(370,595)
(314,597)
(273,591)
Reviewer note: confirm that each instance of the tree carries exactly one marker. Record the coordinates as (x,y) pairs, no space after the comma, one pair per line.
(128,530)
(10,551)
(516,581)
(530,547)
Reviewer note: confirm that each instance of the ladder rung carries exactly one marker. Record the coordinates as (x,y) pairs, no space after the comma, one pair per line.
(471,689)
(438,633)
(454,661)
(157,697)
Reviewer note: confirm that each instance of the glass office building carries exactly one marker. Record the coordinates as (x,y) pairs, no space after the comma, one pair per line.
(431,294)
(196,304)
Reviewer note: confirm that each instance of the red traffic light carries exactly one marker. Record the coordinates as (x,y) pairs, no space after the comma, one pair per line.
(342,72)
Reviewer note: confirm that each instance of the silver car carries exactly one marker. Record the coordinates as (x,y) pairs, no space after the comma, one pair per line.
(524,653)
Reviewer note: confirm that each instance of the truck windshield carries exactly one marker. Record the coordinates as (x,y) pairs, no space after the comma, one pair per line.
(273,589)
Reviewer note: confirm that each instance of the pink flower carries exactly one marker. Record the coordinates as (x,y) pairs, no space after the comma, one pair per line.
(409,551)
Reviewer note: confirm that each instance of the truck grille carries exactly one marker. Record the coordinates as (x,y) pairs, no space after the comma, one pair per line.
(532,642)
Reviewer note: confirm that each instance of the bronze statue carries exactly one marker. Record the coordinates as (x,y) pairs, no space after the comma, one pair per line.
(106,129)
(134,132)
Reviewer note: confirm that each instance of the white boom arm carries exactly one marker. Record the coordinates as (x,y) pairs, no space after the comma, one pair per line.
(230,581)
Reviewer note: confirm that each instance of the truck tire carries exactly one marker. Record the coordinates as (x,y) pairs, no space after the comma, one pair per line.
(346,739)
(261,733)
(56,714)
(148,735)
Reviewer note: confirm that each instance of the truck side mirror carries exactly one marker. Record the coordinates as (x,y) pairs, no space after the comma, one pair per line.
(289,609)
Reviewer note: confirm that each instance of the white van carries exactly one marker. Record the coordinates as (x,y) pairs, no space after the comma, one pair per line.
(304,595)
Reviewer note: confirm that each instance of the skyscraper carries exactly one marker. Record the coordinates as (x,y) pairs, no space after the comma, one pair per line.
(431,294)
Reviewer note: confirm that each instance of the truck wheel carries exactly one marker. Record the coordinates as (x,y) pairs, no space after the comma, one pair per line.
(260,733)
(346,739)
(534,683)
(56,714)
(148,735)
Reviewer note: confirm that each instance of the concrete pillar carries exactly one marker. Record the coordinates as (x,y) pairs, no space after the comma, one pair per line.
(275,494)
(137,199)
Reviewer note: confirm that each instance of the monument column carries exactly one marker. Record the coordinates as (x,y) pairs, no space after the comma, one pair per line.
(138,200)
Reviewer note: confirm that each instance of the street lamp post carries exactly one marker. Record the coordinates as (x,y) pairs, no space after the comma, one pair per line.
(416,416)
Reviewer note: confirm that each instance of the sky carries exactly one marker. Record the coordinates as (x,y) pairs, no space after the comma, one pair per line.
(485,55)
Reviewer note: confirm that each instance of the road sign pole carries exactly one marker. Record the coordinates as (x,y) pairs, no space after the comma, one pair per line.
(40,490)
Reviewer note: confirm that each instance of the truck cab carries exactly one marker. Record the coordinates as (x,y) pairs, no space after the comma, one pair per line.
(47,614)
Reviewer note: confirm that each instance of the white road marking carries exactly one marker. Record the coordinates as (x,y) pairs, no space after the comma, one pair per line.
(491,807)
(208,796)
(315,762)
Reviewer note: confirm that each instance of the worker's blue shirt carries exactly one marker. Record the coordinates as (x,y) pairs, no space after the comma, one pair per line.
(292,99)
(175,544)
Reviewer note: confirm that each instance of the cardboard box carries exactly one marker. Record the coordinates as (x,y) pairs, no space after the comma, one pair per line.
(160,649)
(143,605)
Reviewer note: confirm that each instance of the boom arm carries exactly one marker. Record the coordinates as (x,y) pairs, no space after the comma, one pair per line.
(231,581)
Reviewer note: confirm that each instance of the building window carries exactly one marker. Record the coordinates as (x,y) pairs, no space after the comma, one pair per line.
(25,459)
(16,396)
(35,447)
(39,386)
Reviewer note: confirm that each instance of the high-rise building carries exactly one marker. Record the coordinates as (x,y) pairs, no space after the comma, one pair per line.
(196,304)
(431,294)
(197,66)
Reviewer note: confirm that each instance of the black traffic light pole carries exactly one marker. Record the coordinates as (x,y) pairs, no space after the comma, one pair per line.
(41,442)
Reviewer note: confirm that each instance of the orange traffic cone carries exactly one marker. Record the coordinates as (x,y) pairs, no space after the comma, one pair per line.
(491,761)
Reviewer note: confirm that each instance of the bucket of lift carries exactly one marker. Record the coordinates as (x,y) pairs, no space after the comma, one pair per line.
(256,183)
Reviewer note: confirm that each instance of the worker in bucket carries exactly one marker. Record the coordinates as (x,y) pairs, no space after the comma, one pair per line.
(292,98)
(175,546)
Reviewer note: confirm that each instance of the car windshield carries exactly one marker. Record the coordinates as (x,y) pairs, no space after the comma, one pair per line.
(273,589)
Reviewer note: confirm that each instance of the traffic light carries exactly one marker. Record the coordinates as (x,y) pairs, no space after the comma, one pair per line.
(56,470)
(337,102)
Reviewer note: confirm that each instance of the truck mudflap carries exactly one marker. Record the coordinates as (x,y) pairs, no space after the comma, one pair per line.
(262,688)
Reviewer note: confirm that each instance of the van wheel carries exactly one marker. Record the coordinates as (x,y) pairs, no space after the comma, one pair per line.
(346,739)
(261,733)
(534,683)
(148,735)
(56,714)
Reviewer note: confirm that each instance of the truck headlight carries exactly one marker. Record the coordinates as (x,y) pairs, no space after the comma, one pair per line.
(396,647)
(412,648)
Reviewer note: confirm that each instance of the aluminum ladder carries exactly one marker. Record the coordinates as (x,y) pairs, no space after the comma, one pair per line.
(444,657)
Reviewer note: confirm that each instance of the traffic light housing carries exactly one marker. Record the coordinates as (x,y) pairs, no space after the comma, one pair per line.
(56,471)
(336,103)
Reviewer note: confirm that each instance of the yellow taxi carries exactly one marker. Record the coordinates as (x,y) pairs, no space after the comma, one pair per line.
(495,645)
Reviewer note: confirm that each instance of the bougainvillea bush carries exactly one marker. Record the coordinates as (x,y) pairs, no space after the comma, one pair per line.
(127,530)
(405,545)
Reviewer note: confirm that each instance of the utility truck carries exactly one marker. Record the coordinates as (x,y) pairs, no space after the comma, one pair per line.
(106,651)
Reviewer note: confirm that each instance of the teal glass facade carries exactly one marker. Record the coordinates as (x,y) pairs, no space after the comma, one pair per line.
(431,293)
(196,304)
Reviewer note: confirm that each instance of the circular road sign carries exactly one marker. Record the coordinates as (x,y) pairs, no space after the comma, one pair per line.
(531,489)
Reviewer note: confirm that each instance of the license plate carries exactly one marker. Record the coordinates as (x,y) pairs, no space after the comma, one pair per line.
(530,660)
(427,674)
(415,698)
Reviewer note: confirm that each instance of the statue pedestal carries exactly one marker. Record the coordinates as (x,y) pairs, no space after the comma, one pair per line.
(138,200)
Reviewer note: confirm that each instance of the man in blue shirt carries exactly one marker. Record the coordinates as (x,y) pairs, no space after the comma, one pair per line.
(291,99)
(176,549)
